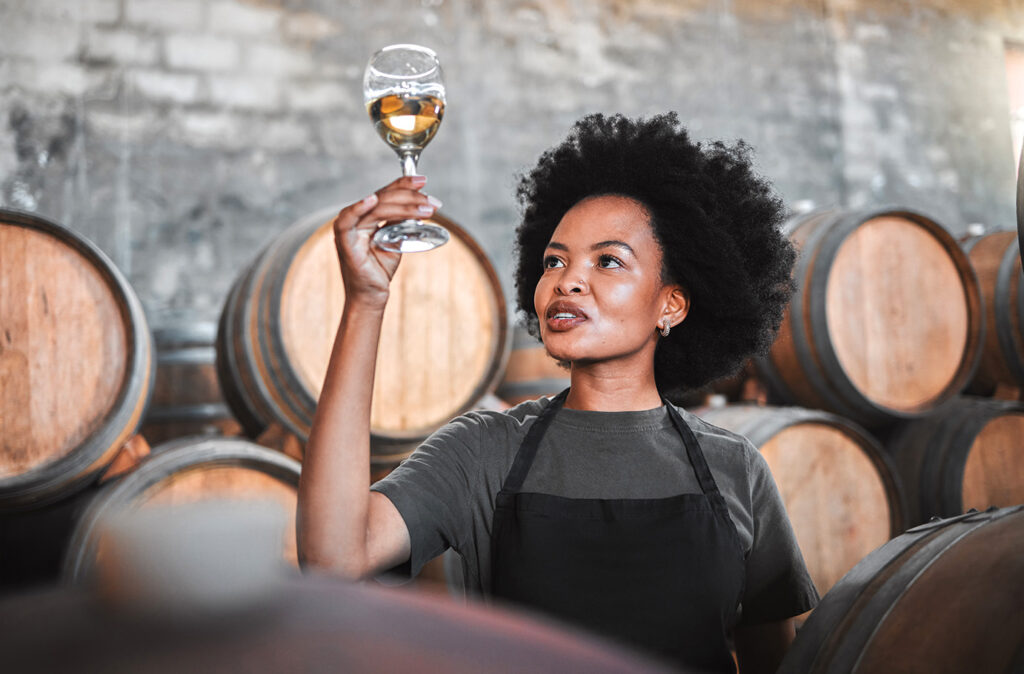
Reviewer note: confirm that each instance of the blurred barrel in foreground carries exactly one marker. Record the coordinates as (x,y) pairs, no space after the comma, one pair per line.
(968,454)
(186,397)
(996,260)
(184,471)
(311,625)
(886,322)
(75,361)
(442,347)
(943,598)
(839,488)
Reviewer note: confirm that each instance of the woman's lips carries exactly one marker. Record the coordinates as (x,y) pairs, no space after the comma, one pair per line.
(564,316)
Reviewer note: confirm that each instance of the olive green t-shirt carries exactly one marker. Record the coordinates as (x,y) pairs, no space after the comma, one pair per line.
(445,491)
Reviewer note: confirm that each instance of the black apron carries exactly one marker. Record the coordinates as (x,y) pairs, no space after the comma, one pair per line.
(664,575)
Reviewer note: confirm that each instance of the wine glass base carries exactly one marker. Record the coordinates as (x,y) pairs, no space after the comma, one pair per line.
(410,236)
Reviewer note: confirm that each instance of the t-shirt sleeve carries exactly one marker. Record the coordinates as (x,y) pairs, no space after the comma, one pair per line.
(432,491)
(778,585)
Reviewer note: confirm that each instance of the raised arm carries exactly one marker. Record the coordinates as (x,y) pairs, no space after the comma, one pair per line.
(343,528)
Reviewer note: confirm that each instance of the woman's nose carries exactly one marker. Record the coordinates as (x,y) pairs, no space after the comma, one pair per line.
(571,282)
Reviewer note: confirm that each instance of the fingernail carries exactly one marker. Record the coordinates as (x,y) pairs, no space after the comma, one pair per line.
(435,202)
(419,180)
(426,210)
(370,200)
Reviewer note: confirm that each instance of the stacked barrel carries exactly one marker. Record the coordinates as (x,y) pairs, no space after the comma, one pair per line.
(877,420)
(86,388)
(895,388)
(443,345)
(869,430)
(76,372)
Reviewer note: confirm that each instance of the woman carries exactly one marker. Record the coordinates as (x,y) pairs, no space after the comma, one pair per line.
(649,264)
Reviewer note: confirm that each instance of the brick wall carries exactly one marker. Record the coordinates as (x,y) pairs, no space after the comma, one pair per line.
(181,135)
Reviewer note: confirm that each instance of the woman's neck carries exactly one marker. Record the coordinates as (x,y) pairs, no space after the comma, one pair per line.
(601,388)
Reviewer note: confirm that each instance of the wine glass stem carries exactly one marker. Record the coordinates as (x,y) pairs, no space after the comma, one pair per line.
(408,164)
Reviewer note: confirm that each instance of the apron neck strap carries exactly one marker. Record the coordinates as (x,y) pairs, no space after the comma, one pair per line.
(531,443)
(695,454)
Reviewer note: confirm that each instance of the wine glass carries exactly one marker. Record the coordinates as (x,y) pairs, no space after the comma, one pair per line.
(403,88)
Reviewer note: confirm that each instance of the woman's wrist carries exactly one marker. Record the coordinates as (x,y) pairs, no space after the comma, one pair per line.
(366,302)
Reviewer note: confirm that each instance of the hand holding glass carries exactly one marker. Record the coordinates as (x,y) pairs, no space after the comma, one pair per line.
(404,93)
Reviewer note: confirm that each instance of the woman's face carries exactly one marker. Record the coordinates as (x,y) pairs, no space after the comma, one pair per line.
(601,296)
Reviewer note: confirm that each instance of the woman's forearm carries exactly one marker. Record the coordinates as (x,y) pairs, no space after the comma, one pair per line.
(333,508)
(341,526)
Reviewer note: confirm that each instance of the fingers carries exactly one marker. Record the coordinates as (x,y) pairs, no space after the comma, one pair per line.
(399,200)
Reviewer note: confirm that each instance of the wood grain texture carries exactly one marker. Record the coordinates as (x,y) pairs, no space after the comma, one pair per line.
(970,599)
(897,314)
(834,496)
(994,471)
(784,364)
(63,349)
(966,454)
(886,321)
(835,481)
(443,329)
(944,597)
(1002,360)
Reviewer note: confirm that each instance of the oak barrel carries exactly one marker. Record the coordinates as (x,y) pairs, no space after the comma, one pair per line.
(183,471)
(186,397)
(886,322)
(943,598)
(841,492)
(996,260)
(312,624)
(443,345)
(968,454)
(75,361)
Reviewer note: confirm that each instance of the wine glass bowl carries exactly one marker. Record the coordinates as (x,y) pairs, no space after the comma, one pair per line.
(403,89)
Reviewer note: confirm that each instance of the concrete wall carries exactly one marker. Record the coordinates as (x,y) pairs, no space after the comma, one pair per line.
(182,135)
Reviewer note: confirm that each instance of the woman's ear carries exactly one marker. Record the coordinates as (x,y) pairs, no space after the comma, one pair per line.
(677,304)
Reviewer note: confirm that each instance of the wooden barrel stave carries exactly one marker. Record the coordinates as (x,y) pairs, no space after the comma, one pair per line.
(1010,298)
(969,446)
(963,574)
(996,259)
(819,361)
(235,462)
(275,369)
(801,446)
(71,462)
(235,383)
(187,399)
(793,348)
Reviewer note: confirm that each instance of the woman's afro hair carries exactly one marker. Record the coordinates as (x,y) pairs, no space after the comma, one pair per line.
(718,225)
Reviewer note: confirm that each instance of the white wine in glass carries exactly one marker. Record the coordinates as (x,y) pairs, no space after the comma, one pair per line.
(404,93)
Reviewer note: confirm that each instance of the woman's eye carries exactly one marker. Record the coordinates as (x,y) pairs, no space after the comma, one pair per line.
(608,262)
(550,262)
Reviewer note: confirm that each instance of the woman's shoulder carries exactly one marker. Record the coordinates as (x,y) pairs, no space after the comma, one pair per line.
(724,447)
(718,437)
(513,420)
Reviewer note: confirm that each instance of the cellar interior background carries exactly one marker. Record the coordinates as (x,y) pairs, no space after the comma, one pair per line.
(182,137)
